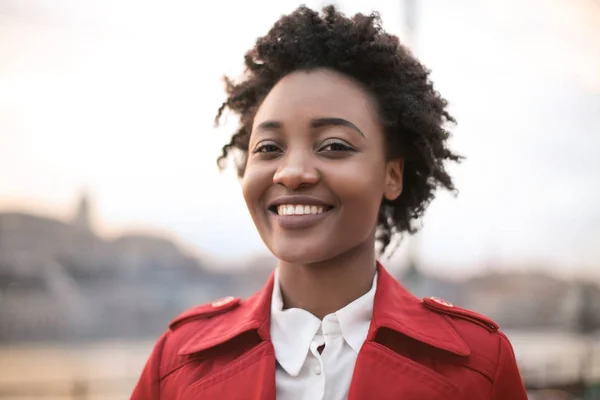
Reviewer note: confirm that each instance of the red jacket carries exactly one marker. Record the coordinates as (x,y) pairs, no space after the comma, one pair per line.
(415,350)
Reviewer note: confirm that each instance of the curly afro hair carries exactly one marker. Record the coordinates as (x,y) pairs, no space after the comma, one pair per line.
(412,112)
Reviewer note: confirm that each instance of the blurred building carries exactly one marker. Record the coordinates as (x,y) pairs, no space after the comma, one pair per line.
(61,281)
(522,300)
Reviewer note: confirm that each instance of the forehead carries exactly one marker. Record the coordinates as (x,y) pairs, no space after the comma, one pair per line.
(319,93)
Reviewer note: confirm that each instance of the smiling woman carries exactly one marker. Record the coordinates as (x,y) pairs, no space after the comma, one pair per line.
(324,141)
(343,144)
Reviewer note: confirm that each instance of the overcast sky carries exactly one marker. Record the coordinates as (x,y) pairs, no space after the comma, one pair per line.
(118,97)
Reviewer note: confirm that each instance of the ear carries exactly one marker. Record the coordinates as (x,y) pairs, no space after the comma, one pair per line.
(393,179)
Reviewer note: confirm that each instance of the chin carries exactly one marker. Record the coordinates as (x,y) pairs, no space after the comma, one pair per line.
(302,255)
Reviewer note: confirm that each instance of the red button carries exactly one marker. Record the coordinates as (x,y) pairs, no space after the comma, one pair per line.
(442,302)
(222,302)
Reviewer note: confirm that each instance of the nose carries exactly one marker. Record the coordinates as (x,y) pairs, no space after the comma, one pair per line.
(296,170)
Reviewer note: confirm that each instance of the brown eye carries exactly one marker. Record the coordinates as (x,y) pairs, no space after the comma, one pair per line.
(336,146)
(267,148)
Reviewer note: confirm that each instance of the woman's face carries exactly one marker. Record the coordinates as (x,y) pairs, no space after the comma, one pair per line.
(317,172)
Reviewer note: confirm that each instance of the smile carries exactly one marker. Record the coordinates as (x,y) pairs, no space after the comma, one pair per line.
(298,212)
(299,209)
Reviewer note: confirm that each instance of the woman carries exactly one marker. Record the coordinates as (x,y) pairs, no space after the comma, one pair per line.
(342,144)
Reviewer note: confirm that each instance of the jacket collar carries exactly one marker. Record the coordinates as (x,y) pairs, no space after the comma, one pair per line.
(394,308)
(398,310)
(251,314)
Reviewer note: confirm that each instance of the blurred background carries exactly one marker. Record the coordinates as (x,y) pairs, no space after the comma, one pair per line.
(114,217)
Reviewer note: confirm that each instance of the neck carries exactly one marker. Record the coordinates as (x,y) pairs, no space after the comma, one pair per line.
(325,287)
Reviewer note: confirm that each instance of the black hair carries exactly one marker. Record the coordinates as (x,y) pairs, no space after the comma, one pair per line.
(413,113)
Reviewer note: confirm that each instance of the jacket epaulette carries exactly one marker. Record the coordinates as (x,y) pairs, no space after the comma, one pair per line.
(444,307)
(204,311)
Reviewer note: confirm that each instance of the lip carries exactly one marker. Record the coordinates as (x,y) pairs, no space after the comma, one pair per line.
(299,221)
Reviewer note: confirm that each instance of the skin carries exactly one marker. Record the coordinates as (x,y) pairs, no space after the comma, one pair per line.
(317,133)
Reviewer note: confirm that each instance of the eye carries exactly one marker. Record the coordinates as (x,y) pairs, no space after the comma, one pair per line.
(266,147)
(336,146)
(267,150)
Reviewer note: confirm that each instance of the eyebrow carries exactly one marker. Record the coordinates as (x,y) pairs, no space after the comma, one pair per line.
(315,123)
(321,122)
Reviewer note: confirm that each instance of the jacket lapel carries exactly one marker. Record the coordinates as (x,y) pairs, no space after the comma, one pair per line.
(383,373)
(251,376)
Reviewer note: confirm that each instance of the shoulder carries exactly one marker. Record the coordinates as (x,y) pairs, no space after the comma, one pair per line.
(460,315)
(488,344)
(205,311)
(192,327)
(199,320)
(491,352)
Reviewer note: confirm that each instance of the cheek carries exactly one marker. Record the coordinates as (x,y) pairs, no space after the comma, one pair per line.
(254,184)
(248,191)
(360,186)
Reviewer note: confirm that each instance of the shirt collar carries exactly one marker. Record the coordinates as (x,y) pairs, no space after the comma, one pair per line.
(293,330)
(355,318)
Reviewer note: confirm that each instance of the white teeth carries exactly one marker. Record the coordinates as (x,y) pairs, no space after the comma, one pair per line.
(289,209)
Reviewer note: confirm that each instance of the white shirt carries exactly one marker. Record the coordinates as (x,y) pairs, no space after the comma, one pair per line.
(304,374)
